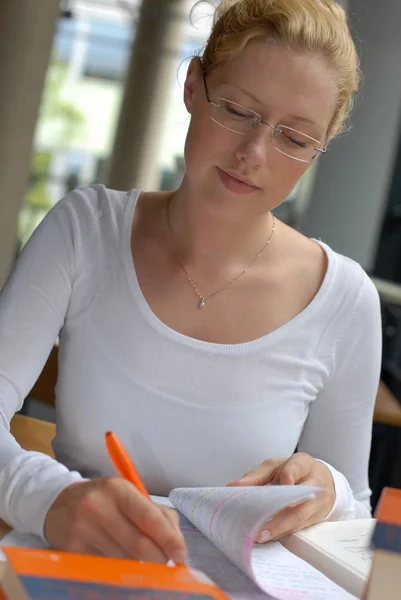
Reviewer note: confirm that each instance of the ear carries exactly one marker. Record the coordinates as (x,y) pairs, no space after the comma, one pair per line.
(194,77)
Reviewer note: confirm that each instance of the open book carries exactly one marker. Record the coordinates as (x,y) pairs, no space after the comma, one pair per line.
(220,524)
(340,550)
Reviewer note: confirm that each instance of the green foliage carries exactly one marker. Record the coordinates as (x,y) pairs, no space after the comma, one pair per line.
(68,119)
(37,197)
(55,108)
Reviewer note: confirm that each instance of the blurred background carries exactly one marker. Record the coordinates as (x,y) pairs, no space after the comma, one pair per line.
(92,92)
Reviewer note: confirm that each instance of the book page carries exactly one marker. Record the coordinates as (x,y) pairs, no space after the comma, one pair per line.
(287,577)
(345,542)
(206,557)
(230,517)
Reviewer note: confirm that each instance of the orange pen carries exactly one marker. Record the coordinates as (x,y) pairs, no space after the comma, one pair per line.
(123,463)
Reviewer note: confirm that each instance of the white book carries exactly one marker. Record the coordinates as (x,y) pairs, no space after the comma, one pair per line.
(340,550)
(220,524)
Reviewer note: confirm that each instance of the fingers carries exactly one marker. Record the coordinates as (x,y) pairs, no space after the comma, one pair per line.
(262,475)
(295,470)
(110,517)
(122,539)
(286,522)
(279,471)
(91,538)
(298,469)
(172,516)
(153,522)
(297,516)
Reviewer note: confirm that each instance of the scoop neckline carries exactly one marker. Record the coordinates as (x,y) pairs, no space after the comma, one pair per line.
(240,348)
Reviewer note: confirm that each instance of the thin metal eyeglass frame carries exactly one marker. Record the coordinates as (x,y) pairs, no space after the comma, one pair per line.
(258,121)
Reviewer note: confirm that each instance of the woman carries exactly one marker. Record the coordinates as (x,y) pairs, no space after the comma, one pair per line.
(209,336)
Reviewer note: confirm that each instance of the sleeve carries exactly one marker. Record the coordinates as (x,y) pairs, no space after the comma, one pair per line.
(33,305)
(338,429)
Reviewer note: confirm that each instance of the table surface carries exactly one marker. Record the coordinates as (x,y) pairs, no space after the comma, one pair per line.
(37,435)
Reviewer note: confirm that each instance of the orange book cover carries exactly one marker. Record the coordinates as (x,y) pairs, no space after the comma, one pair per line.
(387,532)
(389,506)
(34,574)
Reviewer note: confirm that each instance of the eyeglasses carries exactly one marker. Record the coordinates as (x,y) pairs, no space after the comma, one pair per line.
(241,120)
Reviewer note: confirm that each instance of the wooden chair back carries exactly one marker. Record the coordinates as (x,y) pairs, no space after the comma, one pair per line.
(44,388)
(33,434)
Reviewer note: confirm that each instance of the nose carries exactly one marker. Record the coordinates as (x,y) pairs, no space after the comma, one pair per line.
(255,148)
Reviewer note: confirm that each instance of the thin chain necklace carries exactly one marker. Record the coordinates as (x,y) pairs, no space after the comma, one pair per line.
(224,287)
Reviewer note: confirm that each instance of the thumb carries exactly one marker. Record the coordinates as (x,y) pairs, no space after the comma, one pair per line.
(296,469)
(286,478)
(259,476)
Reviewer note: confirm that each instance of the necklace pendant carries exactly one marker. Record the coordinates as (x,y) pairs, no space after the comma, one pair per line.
(202,303)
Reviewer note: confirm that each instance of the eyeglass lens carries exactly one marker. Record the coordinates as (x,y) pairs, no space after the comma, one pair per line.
(239,119)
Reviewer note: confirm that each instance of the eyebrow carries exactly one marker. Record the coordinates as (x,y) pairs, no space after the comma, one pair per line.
(243,91)
(304,119)
(294,117)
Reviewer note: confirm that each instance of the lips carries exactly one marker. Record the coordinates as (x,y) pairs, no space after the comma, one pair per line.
(236,183)
(241,179)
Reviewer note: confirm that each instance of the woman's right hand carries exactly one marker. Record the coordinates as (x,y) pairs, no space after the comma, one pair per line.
(111,518)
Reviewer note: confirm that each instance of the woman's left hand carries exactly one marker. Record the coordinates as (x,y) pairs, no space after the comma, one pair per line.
(302,469)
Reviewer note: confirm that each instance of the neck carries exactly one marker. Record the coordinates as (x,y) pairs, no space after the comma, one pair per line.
(216,234)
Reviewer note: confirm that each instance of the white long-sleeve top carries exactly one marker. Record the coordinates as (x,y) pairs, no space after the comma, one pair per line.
(189,412)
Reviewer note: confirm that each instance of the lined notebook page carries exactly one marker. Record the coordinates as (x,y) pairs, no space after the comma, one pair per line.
(230,518)
(285,576)
(206,557)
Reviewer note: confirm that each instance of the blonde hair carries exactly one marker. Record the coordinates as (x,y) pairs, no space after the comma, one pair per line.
(312,25)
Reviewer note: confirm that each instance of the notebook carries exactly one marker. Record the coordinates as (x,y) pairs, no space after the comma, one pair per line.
(219,525)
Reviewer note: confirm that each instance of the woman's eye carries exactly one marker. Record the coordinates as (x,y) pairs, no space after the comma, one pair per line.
(295,142)
(235,112)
